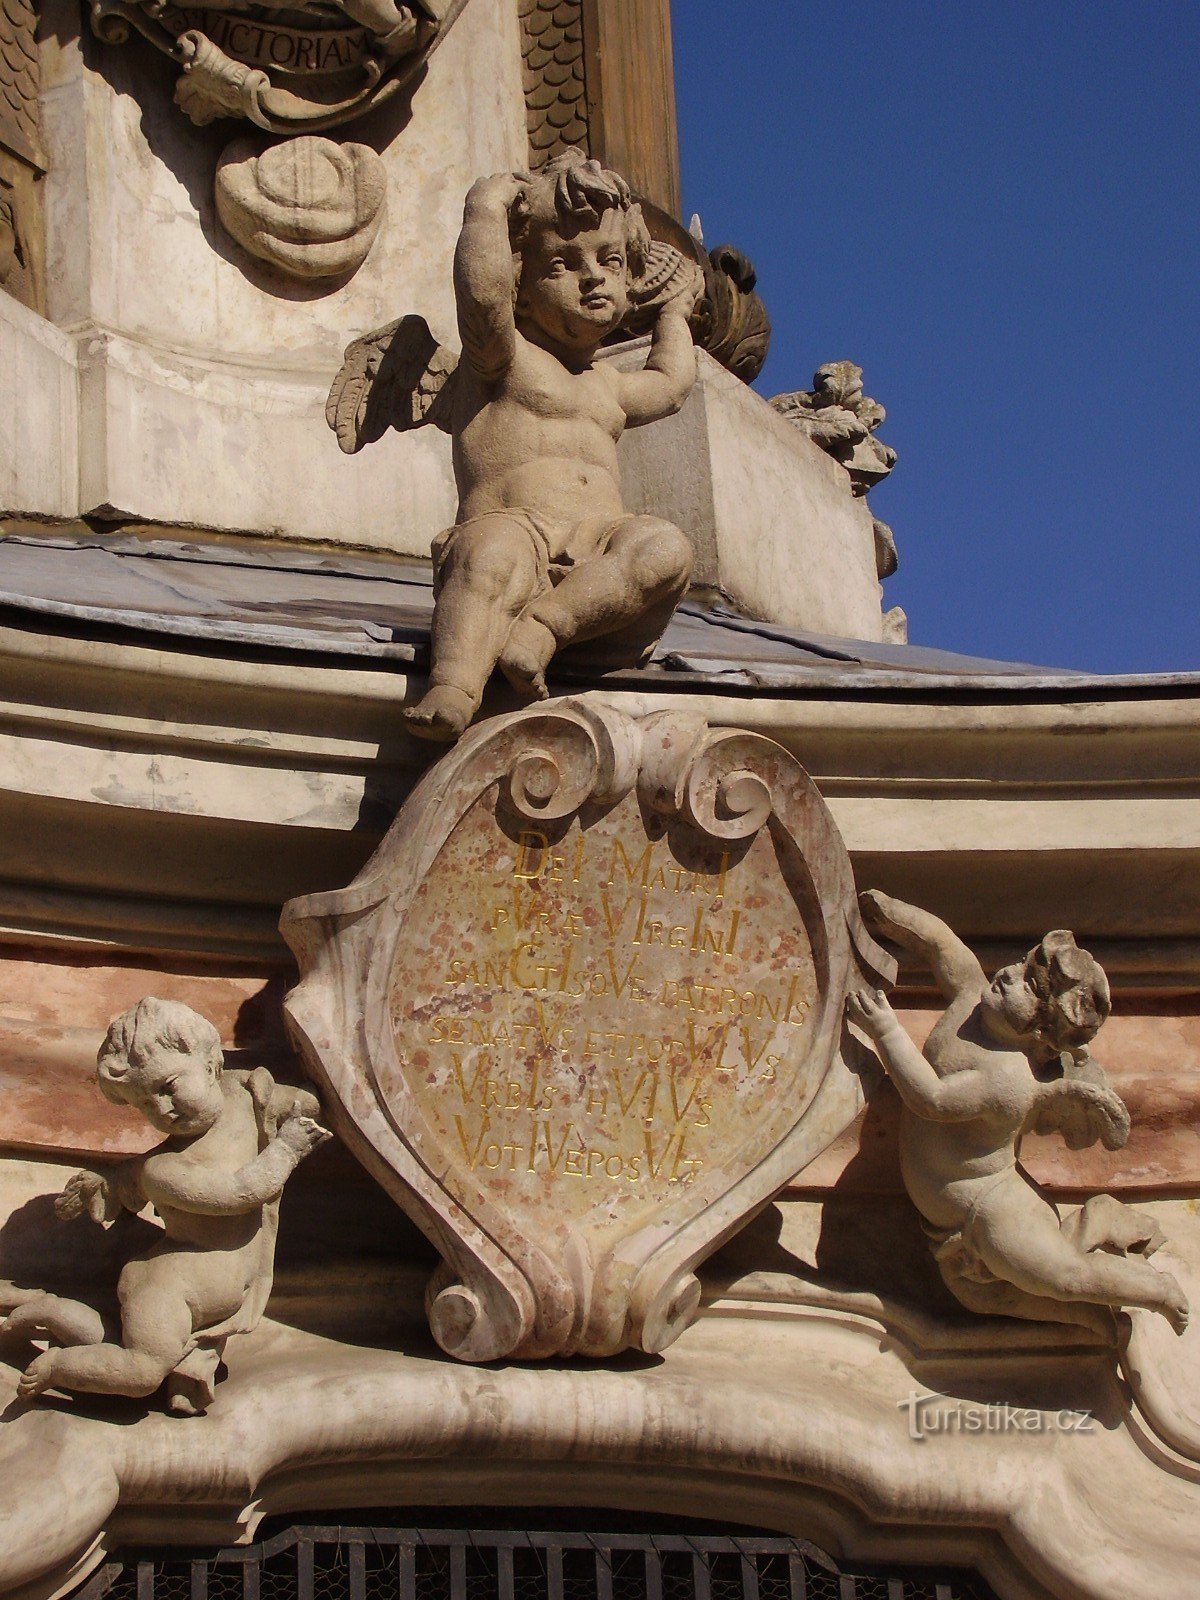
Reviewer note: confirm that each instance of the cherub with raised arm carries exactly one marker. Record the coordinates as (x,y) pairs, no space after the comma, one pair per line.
(543,552)
(232,1141)
(1004,1058)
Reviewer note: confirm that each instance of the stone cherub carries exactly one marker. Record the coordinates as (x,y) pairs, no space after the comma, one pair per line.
(543,552)
(838,416)
(233,1140)
(1008,1057)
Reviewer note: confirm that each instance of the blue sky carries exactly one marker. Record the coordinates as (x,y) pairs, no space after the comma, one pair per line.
(994,210)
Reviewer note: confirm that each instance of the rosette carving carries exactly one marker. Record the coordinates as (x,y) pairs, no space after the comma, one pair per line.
(310,207)
(581,1015)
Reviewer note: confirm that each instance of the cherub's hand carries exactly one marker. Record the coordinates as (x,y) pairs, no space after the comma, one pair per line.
(687,297)
(869,1008)
(88,1193)
(302,1134)
(499,192)
(879,911)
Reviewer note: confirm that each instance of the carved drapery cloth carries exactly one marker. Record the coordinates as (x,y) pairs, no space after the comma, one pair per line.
(552,60)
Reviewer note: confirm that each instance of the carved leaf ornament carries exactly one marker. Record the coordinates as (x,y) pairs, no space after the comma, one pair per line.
(581,1014)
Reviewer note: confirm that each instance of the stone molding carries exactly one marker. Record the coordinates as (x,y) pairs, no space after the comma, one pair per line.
(782,1407)
(286,771)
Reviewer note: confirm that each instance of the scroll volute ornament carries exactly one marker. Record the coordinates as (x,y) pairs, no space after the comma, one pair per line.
(581,1015)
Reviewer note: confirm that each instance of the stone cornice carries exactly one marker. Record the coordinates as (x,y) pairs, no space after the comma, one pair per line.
(200,787)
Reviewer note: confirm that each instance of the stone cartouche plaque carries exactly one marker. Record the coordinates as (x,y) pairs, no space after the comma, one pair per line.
(581,1014)
(303,68)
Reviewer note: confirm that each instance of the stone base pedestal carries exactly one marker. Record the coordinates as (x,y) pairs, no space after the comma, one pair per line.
(776,530)
(179,379)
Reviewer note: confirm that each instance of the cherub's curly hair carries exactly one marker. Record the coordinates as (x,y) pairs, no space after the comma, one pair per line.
(1071,988)
(153,1024)
(577,190)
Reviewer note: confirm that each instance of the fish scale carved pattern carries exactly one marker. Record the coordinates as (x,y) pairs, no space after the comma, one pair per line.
(555,100)
(21,160)
(18,74)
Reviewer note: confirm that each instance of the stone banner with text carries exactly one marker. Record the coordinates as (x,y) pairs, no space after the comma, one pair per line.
(582,1015)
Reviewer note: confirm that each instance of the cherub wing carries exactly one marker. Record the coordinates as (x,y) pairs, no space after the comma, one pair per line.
(1081,1105)
(397,377)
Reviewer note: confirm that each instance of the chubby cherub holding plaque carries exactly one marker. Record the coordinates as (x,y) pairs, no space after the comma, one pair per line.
(543,552)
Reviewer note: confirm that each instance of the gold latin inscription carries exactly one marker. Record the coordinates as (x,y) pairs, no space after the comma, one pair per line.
(598,1016)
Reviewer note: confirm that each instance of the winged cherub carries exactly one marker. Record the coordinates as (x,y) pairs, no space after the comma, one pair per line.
(1007,1057)
(232,1141)
(543,552)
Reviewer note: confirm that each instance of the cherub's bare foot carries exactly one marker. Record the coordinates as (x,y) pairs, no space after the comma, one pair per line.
(526,655)
(25,1322)
(1174,1305)
(38,1376)
(187,1397)
(442,713)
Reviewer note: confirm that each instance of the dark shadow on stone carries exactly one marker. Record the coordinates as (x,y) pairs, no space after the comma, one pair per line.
(38,1250)
(259,1034)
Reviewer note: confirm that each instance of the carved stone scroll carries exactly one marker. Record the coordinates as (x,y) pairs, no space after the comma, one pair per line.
(581,1014)
(313,66)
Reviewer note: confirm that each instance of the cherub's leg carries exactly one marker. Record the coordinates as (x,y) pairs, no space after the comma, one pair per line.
(1006,1300)
(50,1316)
(647,566)
(1017,1236)
(156,1325)
(489,574)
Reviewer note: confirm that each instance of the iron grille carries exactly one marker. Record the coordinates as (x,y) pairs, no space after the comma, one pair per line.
(389,1563)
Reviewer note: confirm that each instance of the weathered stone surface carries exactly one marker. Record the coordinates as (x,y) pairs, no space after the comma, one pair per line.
(204,372)
(22,160)
(787,1405)
(39,414)
(581,1015)
(276,70)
